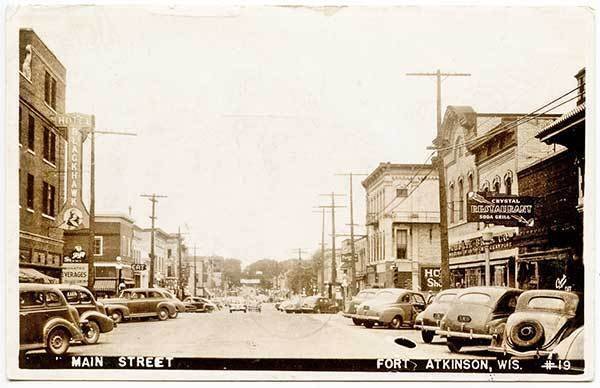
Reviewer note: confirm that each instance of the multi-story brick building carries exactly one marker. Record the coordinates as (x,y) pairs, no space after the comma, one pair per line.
(483,152)
(42,82)
(402,223)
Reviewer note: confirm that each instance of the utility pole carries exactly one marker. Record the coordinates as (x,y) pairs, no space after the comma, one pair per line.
(333,263)
(352,285)
(153,198)
(179,275)
(322,264)
(439,162)
(195,272)
(300,252)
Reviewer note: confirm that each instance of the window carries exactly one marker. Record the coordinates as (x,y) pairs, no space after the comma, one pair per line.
(20,125)
(458,148)
(31,133)
(508,184)
(30,187)
(48,198)
(71,296)
(32,298)
(497,186)
(461,200)
(475,298)
(401,243)
(50,91)
(52,299)
(401,192)
(451,204)
(85,297)
(169,252)
(49,145)
(546,302)
(98,245)
(470,183)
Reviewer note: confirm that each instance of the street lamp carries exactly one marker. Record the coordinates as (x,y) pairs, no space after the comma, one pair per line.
(119,266)
(487,236)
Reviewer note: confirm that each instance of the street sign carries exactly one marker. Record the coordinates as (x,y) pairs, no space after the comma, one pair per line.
(430,278)
(498,209)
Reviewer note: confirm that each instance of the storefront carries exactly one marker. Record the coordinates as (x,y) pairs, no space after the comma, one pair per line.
(551,269)
(109,277)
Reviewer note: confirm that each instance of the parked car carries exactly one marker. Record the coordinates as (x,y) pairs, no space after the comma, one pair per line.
(570,348)
(140,303)
(541,320)
(199,305)
(237,304)
(428,321)
(476,315)
(392,307)
(363,295)
(46,320)
(254,305)
(318,304)
(179,306)
(294,305)
(92,314)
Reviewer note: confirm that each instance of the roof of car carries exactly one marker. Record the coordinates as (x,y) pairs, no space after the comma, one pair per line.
(71,287)
(37,287)
(494,291)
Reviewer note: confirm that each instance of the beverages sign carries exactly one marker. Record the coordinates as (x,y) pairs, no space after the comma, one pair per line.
(507,210)
(73,214)
(75,273)
(431,278)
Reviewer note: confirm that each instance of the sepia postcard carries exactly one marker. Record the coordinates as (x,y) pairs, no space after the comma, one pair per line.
(300,192)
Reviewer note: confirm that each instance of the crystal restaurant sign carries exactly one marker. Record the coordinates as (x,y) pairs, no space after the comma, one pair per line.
(507,210)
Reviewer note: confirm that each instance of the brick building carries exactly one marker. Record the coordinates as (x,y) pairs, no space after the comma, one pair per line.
(42,82)
(483,152)
(551,252)
(402,223)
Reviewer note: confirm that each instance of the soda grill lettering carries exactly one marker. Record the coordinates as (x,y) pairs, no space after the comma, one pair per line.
(475,245)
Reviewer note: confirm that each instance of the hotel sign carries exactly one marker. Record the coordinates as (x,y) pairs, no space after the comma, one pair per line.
(73,214)
(507,210)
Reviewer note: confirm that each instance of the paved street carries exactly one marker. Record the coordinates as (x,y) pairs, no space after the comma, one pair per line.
(270,334)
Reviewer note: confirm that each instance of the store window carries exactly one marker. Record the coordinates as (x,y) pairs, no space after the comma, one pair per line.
(401,244)
(98,245)
(461,200)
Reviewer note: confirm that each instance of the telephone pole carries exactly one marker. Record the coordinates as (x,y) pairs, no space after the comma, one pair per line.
(322,265)
(333,263)
(300,252)
(195,283)
(352,285)
(153,198)
(439,162)
(179,274)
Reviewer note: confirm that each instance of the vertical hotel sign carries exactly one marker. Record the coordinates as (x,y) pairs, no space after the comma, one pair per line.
(73,214)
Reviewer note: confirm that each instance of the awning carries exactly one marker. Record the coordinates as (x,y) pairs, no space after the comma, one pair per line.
(105,285)
(478,264)
(30,275)
(551,254)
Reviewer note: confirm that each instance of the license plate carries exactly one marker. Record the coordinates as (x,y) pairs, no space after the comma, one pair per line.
(464,318)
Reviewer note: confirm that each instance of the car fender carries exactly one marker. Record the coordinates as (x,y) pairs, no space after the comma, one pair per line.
(105,323)
(170,306)
(110,308)
(390,312)
(61,322)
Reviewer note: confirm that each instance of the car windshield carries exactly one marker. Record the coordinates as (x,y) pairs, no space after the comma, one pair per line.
(365,295)
(546,302)
(386,296)
(445,298)
(169,295)
(475,298)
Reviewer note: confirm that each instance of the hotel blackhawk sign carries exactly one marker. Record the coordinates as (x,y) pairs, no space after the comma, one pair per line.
(498,209)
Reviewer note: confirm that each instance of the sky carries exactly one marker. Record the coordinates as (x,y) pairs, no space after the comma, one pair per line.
(243,116)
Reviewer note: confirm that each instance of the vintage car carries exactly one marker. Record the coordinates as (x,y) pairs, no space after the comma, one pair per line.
(46,320)
(540,321)
(294,305)
(428,321)
(570,348)
(363,295)
(237,304)
(254,305)
(476,315)
(318,304)
(92,314)
(139,303)
(176,302)
(198,304)
(392,307)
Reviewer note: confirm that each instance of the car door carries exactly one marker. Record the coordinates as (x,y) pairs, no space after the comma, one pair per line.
(418,304)
(137,302)
(154,298)
(32,317)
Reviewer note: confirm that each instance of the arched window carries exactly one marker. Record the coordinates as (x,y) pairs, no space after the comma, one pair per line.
(451,203)
(485,187)
(508,180)
(496,184)
(470,183)
(461,200)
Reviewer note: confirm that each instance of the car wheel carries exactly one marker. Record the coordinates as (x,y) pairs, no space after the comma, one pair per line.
(174,315)
(117,316)
(58,341)
(369,324)
(427,336)
(356,322)
(454,345)
(527,334)
(317,310)
(396,322)
(92,333)
(163,314)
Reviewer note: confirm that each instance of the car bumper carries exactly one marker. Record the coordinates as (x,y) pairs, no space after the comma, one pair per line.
(527,354)
(461,334)
(352,316)
(422,327)
(370,318)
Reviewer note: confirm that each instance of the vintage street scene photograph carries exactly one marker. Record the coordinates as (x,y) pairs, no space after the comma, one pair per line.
(305,192)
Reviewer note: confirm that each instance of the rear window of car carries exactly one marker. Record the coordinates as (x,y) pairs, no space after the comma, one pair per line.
(387,295)
(71,296)
(32,299)
(475,297)
(545,302)
(444,298)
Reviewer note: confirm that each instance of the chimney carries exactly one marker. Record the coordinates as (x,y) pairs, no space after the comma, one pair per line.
(580,77)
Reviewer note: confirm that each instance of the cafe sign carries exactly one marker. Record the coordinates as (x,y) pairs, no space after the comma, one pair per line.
(475,246)
(73,214)
(497,209)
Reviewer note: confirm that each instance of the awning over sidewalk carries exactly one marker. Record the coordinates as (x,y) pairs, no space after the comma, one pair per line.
(105,285)
(30,275)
